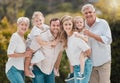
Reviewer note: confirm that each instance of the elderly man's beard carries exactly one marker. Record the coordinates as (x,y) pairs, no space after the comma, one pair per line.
(56,33)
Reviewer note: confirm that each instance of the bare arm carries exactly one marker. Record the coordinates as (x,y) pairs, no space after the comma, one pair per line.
(42,43)
(57,63)
(84,38)
(25,54)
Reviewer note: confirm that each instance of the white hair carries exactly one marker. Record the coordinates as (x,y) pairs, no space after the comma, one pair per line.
(23,19)
(86,6)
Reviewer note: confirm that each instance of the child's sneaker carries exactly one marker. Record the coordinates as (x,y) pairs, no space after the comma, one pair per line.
(80,76)
(70,77)
(30,73)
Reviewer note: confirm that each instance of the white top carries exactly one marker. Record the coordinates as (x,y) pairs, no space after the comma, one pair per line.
(74,49)
(50,53)
(101,52)
(16,45)
(35,32)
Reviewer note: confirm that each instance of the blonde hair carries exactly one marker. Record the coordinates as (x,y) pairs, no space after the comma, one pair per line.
(63,35)
(23,19)
(86,6)
(36,14)
(75,19)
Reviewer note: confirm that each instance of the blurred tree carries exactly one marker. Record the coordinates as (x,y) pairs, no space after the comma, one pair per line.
(10,8)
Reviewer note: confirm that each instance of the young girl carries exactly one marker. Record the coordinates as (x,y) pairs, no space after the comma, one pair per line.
(74,46)
(79,26)
(79,32)
(17,52)
(38,28)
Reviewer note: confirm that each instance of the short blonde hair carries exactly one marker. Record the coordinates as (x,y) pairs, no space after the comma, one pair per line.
(86,6)
(23,19)
(36,14)
(77,17)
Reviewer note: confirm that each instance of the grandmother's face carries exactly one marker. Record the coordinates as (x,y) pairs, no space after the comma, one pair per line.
(22,27)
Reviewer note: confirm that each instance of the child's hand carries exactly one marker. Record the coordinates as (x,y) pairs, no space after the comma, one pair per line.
(54,43)
(56,72)
(78,35)
(28,53)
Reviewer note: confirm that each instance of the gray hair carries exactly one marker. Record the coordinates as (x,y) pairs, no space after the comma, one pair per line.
(86,6)
(23,19)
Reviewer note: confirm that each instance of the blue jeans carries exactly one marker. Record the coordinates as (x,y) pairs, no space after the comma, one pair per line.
(87,72)
(15,76)
(41,77)
(76,73)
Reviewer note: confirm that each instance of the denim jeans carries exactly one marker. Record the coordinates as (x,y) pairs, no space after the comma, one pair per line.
(15,76)
(87,72)
(76,73)
(41,77)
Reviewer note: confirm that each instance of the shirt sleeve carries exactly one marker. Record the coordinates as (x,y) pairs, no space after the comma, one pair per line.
(35,32)
(12,45)
(35,45)
(83,45)
(106,36)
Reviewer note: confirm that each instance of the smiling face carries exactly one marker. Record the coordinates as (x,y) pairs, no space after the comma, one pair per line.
(22,27)
(79,23)
(89,15)
(68,26)
(38,21)
(55,27)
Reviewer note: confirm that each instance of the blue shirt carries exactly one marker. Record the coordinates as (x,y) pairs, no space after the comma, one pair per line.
(101,52)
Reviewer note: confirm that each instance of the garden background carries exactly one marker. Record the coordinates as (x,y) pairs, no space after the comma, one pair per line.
(10,10)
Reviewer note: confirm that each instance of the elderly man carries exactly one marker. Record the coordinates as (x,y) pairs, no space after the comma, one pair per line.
(100,39)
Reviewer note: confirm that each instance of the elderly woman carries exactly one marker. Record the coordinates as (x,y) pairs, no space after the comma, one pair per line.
(17,52)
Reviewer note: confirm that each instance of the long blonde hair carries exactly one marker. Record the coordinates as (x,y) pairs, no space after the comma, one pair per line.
(63,35)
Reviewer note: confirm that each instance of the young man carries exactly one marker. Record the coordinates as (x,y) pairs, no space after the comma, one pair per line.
(44,70)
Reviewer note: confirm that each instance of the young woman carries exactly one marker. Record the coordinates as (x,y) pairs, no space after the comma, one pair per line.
(73,45)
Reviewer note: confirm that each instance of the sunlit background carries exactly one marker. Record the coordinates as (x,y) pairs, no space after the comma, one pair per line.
(10,10)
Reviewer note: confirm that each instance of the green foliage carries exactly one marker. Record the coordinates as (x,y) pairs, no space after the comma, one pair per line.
(115,76)
(64,69)
(5,33)
(65,7)
(57,8)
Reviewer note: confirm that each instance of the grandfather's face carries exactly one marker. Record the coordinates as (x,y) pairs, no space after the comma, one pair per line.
(55,27)
(89,14)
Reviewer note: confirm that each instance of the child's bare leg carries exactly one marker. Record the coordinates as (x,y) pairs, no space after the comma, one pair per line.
(71,68)
(82,63)
(27,64)
(27,70)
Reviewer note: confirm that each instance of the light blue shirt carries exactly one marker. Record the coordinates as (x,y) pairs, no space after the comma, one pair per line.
(101,52)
